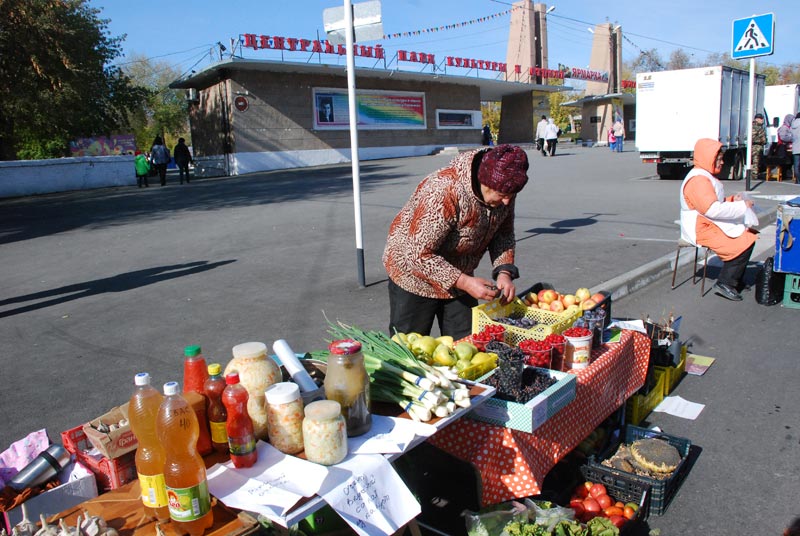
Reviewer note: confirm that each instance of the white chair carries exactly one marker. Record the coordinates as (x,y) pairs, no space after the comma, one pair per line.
(684,244)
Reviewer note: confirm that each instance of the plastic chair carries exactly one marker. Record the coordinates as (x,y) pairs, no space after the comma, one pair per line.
(684,244)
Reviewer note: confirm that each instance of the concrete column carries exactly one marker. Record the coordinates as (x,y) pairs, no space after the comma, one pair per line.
(516,119)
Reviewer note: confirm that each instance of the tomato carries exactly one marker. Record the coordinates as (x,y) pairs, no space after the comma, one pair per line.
(619,504)
(597,489)
(632,505)
(604,501)
(581,491)
(577,506)
(591,505)
(628,512)
(613,511)
(618,521)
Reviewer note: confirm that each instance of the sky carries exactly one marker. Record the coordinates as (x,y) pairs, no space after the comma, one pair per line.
(185,34)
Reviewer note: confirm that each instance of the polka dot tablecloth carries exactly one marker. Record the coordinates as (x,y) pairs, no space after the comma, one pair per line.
(513,464)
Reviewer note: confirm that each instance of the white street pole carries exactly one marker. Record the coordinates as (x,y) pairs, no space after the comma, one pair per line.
(750,104)
(351,101)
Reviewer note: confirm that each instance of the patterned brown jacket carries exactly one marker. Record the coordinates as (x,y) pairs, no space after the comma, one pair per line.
(444,230)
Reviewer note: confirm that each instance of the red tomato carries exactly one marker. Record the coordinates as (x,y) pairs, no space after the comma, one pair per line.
(618,521)
(577,506)
(581,491)
(597,489)
(604,501)
(613,511)
(629,512)
(619,504)
(591,505)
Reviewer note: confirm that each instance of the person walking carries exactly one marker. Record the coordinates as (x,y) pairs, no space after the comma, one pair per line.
(142,169)
(486,135)
(159,155)
(796,147)
(612,140)
(619,134)
(540,127)
(183,157)
(759,141)
(551,136)
(437,240)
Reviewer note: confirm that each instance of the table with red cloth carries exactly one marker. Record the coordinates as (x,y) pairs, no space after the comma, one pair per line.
(513,464)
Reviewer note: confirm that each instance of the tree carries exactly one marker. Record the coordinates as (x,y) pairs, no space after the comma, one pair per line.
(491,115)
(647,61)
(678,59)
(56,81)
(164,111)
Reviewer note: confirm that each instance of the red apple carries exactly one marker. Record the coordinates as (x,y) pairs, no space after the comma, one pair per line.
(598,297)
(548,296)
(569,299)
(556,306)
(588,304)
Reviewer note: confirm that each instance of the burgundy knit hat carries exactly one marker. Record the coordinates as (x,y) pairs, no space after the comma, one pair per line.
(503,169)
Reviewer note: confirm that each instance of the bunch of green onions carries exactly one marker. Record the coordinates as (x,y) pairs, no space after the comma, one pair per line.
(398,377)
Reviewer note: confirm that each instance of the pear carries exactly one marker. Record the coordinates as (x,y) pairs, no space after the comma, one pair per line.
(446,339)
(481,358)
(425,345)
(400,338)
(465,350)
(442,356)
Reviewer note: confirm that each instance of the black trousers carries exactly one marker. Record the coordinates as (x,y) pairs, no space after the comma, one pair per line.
(183,167)
(732,273)
(540,144)
(409,312)
(162,173)
(551,146)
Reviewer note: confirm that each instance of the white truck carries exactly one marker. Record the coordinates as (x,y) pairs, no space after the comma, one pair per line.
(779,101)
(676,108)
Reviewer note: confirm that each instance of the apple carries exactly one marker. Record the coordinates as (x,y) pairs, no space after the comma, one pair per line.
(582,294)
(556,306)
(588,304)
(543,305)
(598,297)
(533,297)
(569,299)
(548,296)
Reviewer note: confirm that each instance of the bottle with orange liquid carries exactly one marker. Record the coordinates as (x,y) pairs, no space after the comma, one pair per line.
(184,471)
(217,414)
(195,374)
(241,435)
(142,413)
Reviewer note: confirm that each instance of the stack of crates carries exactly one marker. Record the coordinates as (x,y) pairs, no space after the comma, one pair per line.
(787,250)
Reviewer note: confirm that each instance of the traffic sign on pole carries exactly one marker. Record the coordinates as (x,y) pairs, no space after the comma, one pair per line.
(753,36)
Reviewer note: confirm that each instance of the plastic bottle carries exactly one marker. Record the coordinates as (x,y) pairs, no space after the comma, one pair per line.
(143,412)
(241,435)
(195,374)
(184,471)
(217,414)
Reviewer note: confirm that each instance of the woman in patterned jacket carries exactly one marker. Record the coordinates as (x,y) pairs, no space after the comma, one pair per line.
(436,242)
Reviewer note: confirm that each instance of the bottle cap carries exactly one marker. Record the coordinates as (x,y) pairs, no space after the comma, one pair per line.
(171,388)
(344,347)
(232,378)
(282,393)
(214,369)
(143,378)
(191,351)
(250,349)
(323,410)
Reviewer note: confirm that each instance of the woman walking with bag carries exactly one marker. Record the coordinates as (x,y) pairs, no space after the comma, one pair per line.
(159,154)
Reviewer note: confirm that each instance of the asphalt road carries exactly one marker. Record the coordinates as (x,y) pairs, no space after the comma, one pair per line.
(97,286)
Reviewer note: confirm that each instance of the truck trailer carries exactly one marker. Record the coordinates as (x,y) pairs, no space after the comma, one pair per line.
(676,108)
(779,101)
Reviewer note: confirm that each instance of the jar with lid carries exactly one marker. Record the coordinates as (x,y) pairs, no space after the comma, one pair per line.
(324,433)
(285,417)
(347,382)
(256,371)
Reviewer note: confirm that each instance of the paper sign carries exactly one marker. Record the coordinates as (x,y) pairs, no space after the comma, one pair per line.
(389,435)
(698,364)
(369,495)
(679,407)
(287,472)
(238,491)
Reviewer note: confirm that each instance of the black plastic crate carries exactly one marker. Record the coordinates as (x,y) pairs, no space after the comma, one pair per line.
(623,488)
(661,491)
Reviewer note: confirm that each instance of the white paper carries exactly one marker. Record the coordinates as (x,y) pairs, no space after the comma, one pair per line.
(389,435)
(238,491)
(679,407)
(369,495)
(634,325)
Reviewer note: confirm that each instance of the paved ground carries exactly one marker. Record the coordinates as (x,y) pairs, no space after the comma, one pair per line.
(96,286)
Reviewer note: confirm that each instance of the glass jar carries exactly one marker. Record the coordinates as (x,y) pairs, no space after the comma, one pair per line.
(256,371)
(347,382)
(324,433)
(285,417)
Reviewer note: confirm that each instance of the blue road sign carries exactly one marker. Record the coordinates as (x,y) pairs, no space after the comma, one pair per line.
(753,36)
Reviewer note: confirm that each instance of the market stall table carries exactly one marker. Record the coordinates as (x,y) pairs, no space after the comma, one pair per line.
(513,464)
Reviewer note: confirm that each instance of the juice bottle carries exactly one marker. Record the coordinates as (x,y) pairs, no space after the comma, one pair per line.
(184,471)
(142,412)
(241,435)
(195,374)
(217,414)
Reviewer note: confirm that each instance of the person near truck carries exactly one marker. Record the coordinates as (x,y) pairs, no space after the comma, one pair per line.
(757,146)
(437,240)
(796,147)
(710,219)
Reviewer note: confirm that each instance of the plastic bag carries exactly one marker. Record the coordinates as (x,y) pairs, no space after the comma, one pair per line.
(549,517)
(492,521)
(769,284)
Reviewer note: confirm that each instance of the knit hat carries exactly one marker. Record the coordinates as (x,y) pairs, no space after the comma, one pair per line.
(503,169)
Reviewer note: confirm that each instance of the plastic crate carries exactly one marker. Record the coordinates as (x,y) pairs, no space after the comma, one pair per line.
(622,487)
(639,406)
(605,304)
(547,322)
(109,473)
(672,375)
(791,292)
(661,491)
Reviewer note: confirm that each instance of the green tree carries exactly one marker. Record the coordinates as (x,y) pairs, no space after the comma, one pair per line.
(56,81)
(678,59)
(491,115)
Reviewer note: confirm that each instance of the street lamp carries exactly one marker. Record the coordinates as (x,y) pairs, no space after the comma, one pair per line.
(550,9)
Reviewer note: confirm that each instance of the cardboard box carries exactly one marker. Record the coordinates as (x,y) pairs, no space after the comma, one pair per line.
(78,485)
(534,413)
(117,442)
(110,473)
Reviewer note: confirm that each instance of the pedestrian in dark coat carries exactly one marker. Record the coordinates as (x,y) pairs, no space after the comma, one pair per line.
(183,157)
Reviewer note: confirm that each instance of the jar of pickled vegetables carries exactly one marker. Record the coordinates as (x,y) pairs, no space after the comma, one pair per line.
(324,432)
(285,417)
(347,382)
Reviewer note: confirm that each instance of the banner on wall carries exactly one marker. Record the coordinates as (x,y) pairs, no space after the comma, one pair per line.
(103,146)
(375,109)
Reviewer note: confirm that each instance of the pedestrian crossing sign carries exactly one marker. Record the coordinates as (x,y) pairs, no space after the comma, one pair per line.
(753,36)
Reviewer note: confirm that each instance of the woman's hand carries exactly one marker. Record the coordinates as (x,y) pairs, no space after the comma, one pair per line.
(506,287)
(477,287)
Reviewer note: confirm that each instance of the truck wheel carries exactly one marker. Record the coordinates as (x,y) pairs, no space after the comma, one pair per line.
(733,166)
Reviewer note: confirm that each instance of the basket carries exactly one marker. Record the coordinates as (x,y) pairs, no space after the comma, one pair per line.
(605,304)
(639,406)
(661,491)
(622,488)
(791,292)
(547,322)
(110,473)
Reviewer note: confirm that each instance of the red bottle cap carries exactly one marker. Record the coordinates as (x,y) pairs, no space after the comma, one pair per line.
(232,378)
